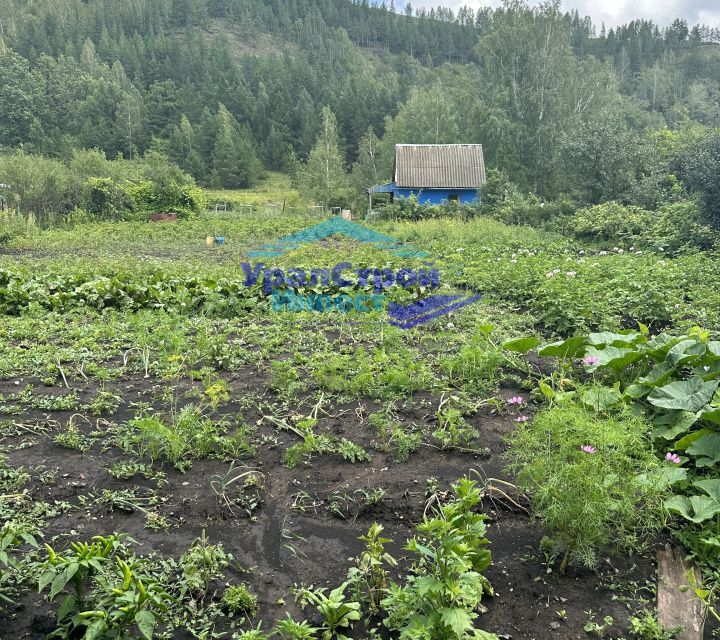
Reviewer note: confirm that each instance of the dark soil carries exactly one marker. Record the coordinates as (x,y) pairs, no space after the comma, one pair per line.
(294,536)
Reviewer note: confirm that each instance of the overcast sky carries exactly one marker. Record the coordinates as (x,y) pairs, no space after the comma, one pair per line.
(614,12)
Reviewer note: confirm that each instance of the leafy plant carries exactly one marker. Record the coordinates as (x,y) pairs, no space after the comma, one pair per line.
(645,626)
(108,596)
(337,611)
(289,629)
(12,535)
(239,599)
(202,563)
(369,578)
(453,430)
(599,630)
(441,597)
(594,481)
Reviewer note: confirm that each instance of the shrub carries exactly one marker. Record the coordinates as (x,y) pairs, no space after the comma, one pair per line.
(589,479)
(612,222)
(15,225)
(52,190)
(673,227)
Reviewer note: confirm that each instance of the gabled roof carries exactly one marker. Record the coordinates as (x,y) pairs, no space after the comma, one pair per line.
(439,166)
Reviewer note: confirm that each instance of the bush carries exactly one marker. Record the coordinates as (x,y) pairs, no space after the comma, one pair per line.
(611,222)
(589,480)
(238,599)
(14,225)
(531,210)
(53,191)
(700,170)
(410,209)
(673,227)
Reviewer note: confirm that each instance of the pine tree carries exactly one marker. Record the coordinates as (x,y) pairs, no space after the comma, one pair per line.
(235,162)
(182,148)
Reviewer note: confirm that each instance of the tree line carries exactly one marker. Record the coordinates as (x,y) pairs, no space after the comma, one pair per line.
(229,88)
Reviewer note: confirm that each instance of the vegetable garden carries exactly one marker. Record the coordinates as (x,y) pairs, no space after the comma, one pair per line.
(179,460)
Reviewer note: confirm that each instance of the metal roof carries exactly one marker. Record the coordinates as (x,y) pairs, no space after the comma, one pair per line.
(439,166)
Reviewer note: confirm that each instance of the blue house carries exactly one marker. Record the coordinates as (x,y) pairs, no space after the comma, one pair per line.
(435,173)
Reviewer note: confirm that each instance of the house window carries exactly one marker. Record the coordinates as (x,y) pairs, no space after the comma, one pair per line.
(454,197)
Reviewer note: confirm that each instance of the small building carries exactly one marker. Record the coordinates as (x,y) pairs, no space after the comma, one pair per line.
(435,173)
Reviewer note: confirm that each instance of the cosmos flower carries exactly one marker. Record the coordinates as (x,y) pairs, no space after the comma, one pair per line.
(522,419)
(591,360)
(588,448)
(672,457)
(516,400)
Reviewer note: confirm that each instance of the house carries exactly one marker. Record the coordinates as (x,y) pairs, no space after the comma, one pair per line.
(435,173)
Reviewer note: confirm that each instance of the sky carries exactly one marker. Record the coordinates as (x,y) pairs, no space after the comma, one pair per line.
(615,12)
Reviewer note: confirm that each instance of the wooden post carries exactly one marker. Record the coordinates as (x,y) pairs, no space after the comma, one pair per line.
(369,201)
(677,605)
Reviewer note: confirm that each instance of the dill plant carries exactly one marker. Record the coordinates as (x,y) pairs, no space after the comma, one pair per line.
(594,480)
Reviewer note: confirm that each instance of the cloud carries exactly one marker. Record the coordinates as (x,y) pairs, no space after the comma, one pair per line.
(615,12)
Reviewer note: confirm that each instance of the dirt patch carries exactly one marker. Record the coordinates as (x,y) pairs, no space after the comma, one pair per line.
(306,526)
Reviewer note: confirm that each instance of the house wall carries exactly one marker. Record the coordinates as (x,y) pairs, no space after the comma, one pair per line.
(438,196)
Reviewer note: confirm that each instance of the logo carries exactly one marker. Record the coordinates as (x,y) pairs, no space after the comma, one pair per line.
(281,284)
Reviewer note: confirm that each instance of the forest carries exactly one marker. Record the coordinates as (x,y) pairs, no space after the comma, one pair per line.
(228,89)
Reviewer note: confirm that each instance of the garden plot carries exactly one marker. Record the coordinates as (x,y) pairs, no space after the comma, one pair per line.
(245,453)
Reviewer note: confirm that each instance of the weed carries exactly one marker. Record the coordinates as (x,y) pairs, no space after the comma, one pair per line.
(238,599)
(645,626)
(598,629)
(73,438)
(453,431)
(202,563)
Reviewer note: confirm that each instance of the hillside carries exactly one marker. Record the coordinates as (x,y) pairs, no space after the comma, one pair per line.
(216,84)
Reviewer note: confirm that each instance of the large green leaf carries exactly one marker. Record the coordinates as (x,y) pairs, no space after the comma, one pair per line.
(609,338)
(663,477)
(457,619)
(564,349)
(713,348)
(688,395)
(658,346)
(670,425)
(696,508)
(685,351)
(521,345)
(616,358)
(686,441)
(145,621)
(711,415)
(706,450)
(635,391)
(601,399)
(711,486)
(658,375)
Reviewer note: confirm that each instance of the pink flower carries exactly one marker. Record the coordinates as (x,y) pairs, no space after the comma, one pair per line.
(588,448)
(516,400)
(591,360)
(522,419)
(672,457)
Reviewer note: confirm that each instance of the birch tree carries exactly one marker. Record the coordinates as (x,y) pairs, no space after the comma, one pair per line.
(323,178)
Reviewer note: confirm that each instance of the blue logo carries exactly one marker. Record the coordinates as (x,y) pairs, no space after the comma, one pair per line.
(281,285)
